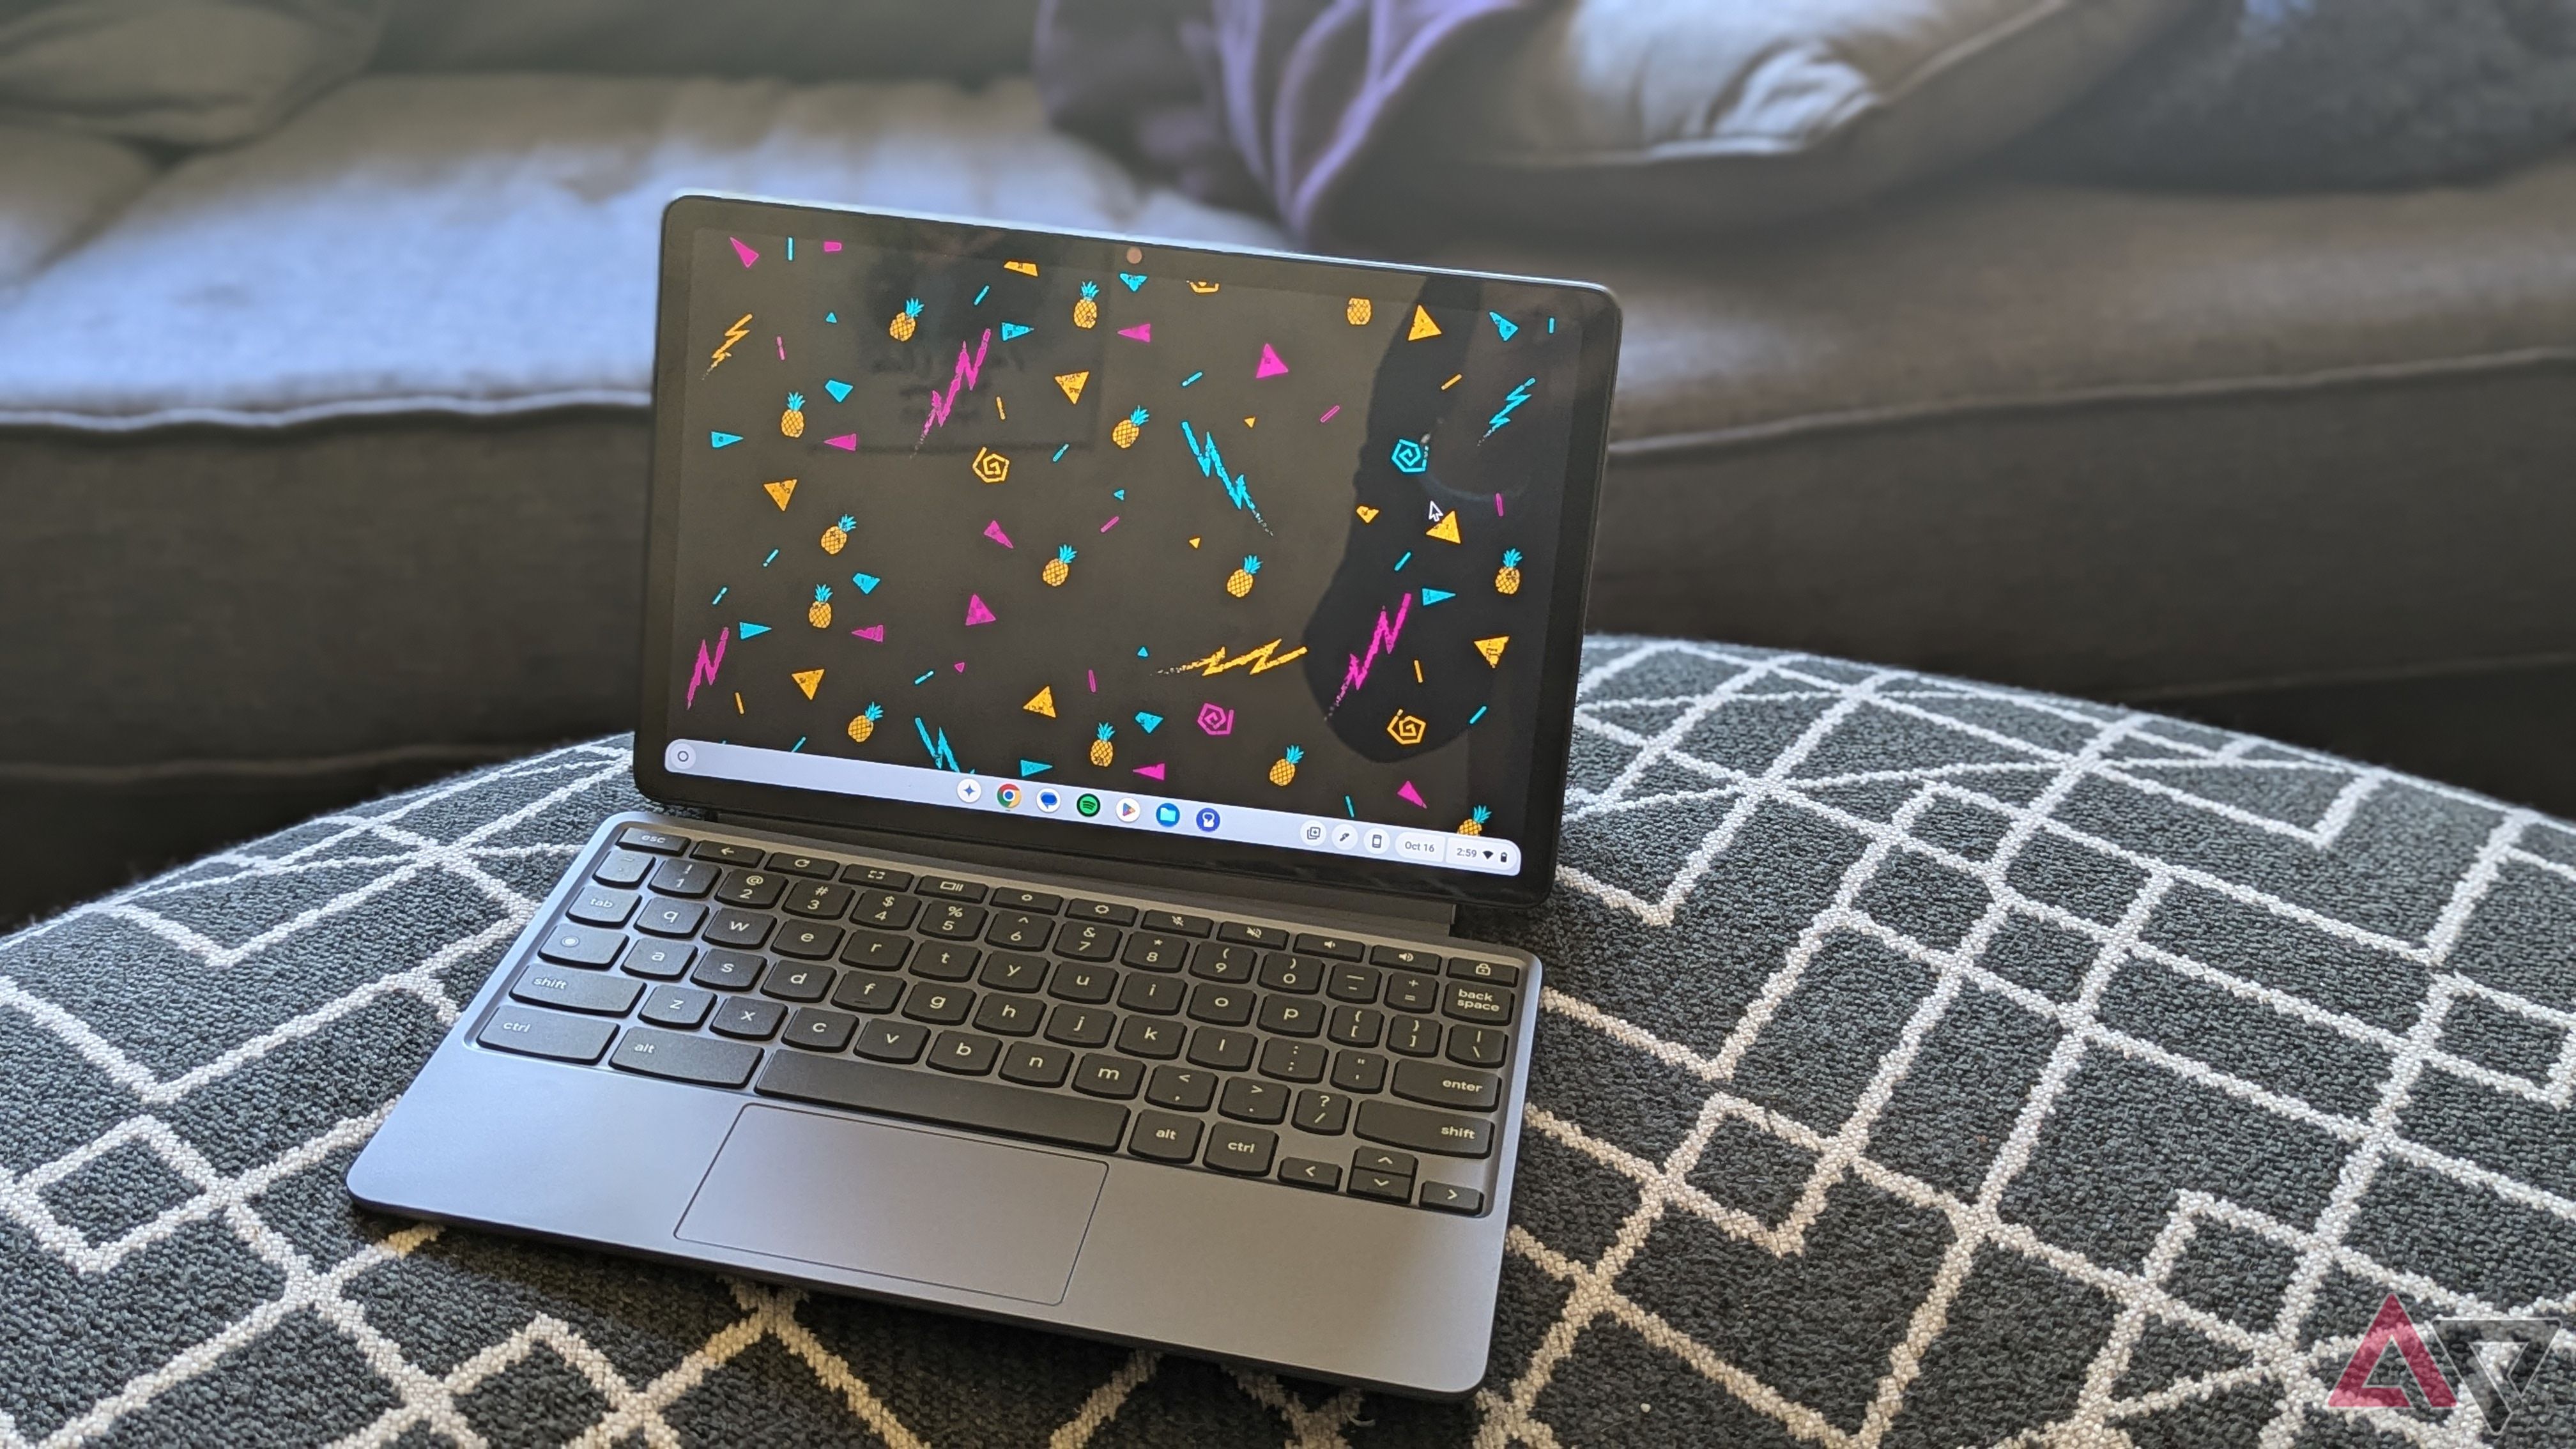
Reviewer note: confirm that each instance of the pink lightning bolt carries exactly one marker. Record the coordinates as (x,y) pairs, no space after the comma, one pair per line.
(968,373)
(1381,641)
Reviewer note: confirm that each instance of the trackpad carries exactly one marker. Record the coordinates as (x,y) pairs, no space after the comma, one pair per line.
(925,1206)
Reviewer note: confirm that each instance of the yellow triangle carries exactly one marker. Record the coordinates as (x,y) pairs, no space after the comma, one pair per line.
(1446,530)
(780,492)
(1247,422)
(1194,543)
(1423,326)
(1492,649)
(1025,269)
(808,680)
(1072,383)
(1367,514)
(1042,703)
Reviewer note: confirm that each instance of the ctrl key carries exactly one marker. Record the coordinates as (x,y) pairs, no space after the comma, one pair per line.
(545,1034)
(685,1058)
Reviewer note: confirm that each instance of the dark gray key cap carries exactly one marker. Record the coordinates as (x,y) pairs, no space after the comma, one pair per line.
(1417,1130)
(982,1106)
(1147,951)
(1378,1159)
(1291,1016)
(818,900)
(877,877)
(728,852)
(1412,991)
(1248,1100)
(876,950)
(817,1029)
(1017,899)
(1227,1051)
(685,1058)
(1090,985)
(1212,962)
(1307,1172)
(807,940)
(546,1034)
(663,916)
(1181,1089)
(1018,931)
(1353,983)
(1492,973)
(1359,1071)
(1325,1114)
(623,869)
(581,946)
(1221,1005)
(660,960)
(1177,923)
(1283,972)
(1037,1066)
(1143,1036)
(867,991)
(729,970)
(1381,1186)
(1293,1061)
(747,1017)
(1005,1015)
(684,878)
(753,890)
(1415,1036)
(1478,1046)
(1109,911)
(937,961)
(1449,1197)
(1014,971)
(1161,995)
(884,908)
(807,865)
(1446,1086)
(1359,1026)
(966,1053)
(659,842)
(677,1007)
(1339,947)
(939,1005)
(798,981)
(1102,1075)
(1268,938)
(1405,957)
(951,888)
(893,1041)
(1080,1026)
(1475,1001)
(740,929)
(584,991)
(950,921)
(1245,1150)
(601,906)
(1165,1138)
(1086,941)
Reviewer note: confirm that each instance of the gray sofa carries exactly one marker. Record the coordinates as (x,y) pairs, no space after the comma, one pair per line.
(322,455)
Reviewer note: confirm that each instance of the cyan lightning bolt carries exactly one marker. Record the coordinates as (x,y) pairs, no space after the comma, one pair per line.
(1511,400)
(969,372)
(704,671)
(940,755)
(1261,660)
(1212,465)
(733,334)
(1381,641)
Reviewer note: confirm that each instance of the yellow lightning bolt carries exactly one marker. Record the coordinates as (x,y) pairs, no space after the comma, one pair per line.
(1260,659)
(733,335)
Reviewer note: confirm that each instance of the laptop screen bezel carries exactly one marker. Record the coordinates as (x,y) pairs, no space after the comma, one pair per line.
(1592,307)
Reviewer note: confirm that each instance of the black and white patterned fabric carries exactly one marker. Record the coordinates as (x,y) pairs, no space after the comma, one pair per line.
(1926,1063)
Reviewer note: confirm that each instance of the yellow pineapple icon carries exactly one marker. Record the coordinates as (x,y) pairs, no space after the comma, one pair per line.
(1507,580)
(1239,583)
(1284,769)
(792,421)
(1059,568)
(1086,313)
(864,725)
(1359,311)
(905,321)
(1102,752)
(819,613)
(1474,824)
(1124,435)
(837,537)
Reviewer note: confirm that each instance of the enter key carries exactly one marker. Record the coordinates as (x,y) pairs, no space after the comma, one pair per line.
(1448,1086)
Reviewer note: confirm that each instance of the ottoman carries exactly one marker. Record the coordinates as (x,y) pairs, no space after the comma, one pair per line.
(1928,1063)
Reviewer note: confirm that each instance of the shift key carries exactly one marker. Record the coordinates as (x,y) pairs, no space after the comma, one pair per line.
(583,991)
(1416,1130)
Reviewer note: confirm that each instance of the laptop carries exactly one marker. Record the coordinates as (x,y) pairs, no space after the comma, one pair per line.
(1085,677)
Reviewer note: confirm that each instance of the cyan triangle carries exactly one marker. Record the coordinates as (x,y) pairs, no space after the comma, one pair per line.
(831,316)
(1145,721)
(1120,495)
(723,440)
(867,582)
(1033,767)
(1013,329)
(1433,596)
(1504,326)
(1132,280)
(839,390)
(748,629)
(1140,651)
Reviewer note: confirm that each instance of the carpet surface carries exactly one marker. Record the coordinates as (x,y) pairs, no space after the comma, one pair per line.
(1927,1063)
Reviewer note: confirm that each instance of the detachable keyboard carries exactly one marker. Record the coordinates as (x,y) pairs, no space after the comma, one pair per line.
(1251,1046)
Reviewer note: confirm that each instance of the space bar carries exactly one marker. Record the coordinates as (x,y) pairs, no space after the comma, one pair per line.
(983,1106)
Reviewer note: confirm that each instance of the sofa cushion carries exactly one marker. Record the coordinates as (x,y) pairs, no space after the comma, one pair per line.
(1923,1063)
(188,72)
(793,39)
(55,187)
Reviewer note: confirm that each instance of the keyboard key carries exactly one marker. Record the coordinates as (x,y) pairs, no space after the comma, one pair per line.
(1016,899)
(659,842)
(728,852)
(1476,968)
(807,941)
(1417,1130)
(1412,991)
(583,991)
(684,878)
(1019,930)
(1478,1046)
(1448,1197)
(1109,911)
(747,1017)
(950,921)
(1307,1172)
(1359,1071)
(964,1052)
(1151,952)
(1036,1066)
(946,963)
(624,869)
(1163,1137)
(893,1041)
(1009,1015)
(1290,1016)
(866,991)
(1448,1086)
(1247,1100)
(755,890)
(1293,1061)
(1177,923)
(811,865)
(1090,985)
(1474,1001)
(819,900)
(600,906)
(875,950)
(660,960)
(1325,1114)
(1358,1026)
(1340,948)
(1102,1075)
(816,1029)
(879,877)
(1161,995)
(1086,941)
(1283,972)
(1414,1036)
(939,1005)
(951,888)
(546,1034)
(1013,971)
(729,927)
(1269,938)
(1221,1005)
(1211,962)
(1080,1026)
(1245,1150)
(678,1007)
(1404,956)
(729,970)
(1381,1186)
(1353,983)
(1181,1089)
(685,1058)
(663,916)
(798,981)
(1378,1159)
(1227,1051)
(883,908)
(1143,1036)
(982,1106)
(581,946)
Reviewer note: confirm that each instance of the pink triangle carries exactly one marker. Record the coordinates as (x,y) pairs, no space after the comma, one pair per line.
(747,254)
(960,666)
(847,442)
(874,633)
(1270,366)
(1410,796)
(976,613)
(1142,331)
(993,531)
(1153,771)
